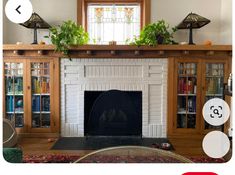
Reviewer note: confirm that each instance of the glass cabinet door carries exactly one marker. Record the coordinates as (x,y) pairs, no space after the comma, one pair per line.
(14,102)
(186,95)
(214,85)
(40,83)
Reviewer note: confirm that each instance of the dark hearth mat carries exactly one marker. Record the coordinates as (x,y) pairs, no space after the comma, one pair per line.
(95,143)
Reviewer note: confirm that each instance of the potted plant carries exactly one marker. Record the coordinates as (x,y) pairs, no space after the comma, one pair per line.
(156,33)
(66,35)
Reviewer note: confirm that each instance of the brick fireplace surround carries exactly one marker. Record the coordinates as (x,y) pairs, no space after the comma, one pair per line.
(146,75)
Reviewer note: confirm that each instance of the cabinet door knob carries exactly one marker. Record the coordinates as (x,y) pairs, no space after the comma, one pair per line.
(28,87)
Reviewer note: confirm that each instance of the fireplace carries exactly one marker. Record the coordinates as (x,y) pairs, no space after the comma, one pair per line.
(113,113)
(84,80)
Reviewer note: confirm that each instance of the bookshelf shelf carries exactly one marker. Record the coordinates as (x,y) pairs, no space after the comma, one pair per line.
(44,94)
(190,113)
(214,95)
(186,76)
(19,112)
(41,76)
(187,94)
(10,94)
(214,76)
(41,112)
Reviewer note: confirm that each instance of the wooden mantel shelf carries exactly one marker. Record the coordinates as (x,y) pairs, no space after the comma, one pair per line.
(121,51)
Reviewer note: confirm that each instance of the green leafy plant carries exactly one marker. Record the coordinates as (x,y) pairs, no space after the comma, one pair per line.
(66,35)
(156,33)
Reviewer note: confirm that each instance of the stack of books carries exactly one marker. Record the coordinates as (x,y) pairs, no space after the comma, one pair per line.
(186,87)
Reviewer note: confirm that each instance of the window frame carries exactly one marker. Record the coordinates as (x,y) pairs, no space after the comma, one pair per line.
(82,6)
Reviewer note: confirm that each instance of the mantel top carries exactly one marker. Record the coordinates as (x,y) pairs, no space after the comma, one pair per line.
(121,47)
(120,51)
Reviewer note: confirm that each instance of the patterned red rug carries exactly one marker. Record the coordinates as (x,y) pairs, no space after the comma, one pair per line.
(50,158)
(59,158)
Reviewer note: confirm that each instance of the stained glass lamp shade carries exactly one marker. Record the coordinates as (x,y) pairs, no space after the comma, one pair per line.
(193,21)
(36,22)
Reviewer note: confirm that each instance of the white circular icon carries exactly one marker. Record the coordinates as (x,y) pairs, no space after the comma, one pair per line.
(216,112)
(216,144)
(18,11)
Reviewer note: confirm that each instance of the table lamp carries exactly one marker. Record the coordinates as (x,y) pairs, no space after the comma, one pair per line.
(35,22)
(192,21)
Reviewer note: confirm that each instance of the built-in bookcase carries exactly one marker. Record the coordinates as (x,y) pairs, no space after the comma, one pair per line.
(30,94)
(194,82)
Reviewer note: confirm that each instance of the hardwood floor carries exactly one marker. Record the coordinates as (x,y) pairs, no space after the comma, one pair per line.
(188,146)
(183,146)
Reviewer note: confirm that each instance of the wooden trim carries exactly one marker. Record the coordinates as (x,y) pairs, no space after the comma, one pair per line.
(38,135)
(56,117)
(170,94)
(120,51)
(80,12)
(28,47)
(146,12)
(82,9)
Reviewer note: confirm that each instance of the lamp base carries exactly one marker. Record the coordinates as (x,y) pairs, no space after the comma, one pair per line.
(35,40)
(191,36)
(191,43)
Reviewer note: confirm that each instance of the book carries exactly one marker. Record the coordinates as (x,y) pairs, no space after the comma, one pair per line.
(36,103)
(46,103)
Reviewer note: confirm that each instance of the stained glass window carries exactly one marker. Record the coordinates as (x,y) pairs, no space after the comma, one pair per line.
(117,22)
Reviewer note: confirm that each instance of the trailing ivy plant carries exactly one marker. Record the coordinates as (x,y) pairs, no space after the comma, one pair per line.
(155,33)
(66,35)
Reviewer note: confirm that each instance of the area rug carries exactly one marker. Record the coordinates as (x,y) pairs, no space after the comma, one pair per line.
(95,143)
(50,158)
(63,158)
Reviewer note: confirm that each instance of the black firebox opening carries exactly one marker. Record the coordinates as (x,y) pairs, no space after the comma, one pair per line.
(113,113)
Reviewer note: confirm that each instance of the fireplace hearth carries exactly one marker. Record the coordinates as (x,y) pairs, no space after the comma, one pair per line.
(113,113)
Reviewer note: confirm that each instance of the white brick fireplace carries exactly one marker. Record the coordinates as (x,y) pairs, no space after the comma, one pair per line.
(146,75)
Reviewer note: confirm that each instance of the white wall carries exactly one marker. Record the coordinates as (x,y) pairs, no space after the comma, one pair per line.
(52,11)
(219,31)
(5,21)
(226,22)
(175,11)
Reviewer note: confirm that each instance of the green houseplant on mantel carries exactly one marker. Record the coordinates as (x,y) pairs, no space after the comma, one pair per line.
(66,35)
(154,34)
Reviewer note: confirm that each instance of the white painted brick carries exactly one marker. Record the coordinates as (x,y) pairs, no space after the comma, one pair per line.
(146,75)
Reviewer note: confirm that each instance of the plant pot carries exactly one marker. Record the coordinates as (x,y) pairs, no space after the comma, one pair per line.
(159,39)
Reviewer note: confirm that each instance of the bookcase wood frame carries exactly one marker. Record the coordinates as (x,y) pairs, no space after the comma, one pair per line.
(201,93)
(54,93)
